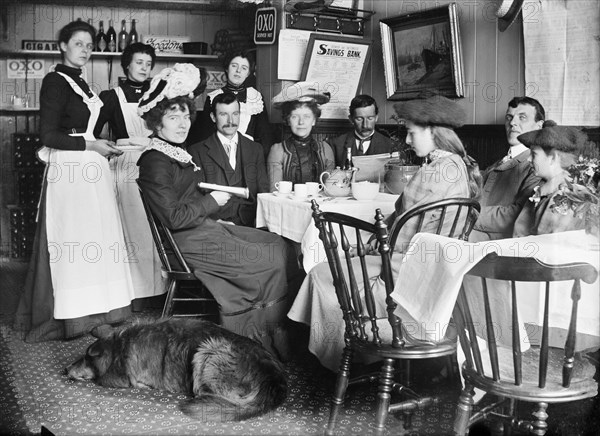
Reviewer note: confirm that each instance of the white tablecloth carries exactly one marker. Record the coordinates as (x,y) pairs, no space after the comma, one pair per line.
(432,271)
(292,218)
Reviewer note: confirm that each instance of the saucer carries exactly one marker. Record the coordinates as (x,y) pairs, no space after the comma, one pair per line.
(282,194)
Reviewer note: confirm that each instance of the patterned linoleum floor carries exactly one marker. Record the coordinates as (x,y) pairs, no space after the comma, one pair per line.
(34,392)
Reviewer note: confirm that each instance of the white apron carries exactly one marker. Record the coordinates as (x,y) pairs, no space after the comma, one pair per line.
(85,236)
(142,257)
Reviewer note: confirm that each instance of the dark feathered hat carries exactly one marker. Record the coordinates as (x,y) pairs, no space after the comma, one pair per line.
(553,137)
(431,111)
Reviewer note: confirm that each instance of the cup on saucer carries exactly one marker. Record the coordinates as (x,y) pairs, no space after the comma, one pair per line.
(314,188)
(283,187)
(300,191)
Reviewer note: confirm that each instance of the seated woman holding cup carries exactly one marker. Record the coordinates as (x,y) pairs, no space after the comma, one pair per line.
(299,158)
(448,172)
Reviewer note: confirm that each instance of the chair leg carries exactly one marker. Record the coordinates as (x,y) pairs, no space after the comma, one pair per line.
(540,426)
(168,307)
(386,381)
(341,384)
(463,410)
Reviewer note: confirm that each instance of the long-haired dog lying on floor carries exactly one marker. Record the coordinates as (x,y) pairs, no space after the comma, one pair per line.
(231,377)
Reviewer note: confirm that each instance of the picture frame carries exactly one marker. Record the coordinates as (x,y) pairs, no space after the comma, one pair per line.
(336,64)
(422,51)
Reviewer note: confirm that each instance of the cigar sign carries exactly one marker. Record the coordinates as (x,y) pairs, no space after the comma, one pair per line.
(264,25)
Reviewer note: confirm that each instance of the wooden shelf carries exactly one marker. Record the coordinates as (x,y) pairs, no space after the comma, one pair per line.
(47,53)
(18,109)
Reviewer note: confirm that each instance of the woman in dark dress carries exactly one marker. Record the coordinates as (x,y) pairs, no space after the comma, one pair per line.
(120,103)
(244,268)
(254,121)
(78,276)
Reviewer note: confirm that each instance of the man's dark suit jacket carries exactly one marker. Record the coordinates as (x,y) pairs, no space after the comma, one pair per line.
(379,144)
(250,171)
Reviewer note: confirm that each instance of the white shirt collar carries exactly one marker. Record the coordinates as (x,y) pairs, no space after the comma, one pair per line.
(516,150)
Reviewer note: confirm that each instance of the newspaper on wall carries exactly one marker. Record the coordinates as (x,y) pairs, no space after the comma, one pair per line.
(562,58)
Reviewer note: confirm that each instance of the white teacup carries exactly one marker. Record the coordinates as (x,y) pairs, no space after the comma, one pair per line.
(314,188)
(284,187)
(300,190)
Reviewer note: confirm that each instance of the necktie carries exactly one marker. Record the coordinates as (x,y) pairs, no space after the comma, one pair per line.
(360,147)
(227,148)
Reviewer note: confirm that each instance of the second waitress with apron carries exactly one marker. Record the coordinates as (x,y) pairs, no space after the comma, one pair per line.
(78,276)
(131,135)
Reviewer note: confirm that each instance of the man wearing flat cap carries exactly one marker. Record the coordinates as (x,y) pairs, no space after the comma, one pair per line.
(509,182)
(363,140)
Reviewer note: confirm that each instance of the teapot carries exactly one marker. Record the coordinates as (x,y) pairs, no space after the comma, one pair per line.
(338,182)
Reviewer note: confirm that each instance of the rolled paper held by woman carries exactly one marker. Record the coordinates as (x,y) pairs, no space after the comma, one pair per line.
(237,191)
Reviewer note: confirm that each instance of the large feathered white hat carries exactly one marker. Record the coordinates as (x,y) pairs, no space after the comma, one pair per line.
(173,82)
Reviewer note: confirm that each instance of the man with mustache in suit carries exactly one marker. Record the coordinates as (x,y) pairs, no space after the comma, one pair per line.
(363,139)
(229,158)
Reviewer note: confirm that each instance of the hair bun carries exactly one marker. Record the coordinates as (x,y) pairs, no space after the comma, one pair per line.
(549,123)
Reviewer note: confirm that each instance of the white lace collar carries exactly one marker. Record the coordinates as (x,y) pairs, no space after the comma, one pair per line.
(179,154)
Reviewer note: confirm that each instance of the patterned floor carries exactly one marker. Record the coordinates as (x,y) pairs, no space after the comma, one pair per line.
(34,392)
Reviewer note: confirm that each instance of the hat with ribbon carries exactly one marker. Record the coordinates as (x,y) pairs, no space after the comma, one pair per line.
(180,80)
(297,6)
(507,12)
(431,111)
(301,91)
(552,137)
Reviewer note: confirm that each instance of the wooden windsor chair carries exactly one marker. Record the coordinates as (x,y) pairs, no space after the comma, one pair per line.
(367,331)
(176,271)
(540,374)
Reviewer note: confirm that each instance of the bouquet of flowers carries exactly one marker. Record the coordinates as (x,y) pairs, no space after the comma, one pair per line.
(580,195)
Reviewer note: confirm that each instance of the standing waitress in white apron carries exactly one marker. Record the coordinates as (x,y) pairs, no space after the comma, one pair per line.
(77,276)
(130,132)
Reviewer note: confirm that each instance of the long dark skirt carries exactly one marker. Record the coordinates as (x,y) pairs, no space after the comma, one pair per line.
(245,270)
(35,313)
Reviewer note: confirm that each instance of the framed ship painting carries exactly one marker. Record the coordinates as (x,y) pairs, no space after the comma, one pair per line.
(422,52)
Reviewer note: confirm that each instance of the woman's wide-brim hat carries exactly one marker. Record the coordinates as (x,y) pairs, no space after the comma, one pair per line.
(297,6)
(180,80)
(301,91)
(507,12)
(431,111)
(552,137)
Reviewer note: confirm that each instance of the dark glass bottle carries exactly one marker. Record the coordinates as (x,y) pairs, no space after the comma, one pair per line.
(123,36)
(111,37)
(133,35)
(101,44)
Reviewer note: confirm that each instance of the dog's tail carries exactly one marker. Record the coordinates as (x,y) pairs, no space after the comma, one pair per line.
(231,386)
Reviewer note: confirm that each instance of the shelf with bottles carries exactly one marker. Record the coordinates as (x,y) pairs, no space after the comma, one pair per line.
(100,54)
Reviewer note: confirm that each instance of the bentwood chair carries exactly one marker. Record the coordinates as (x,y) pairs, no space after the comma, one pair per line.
(540,374)
(176,271)
(380,335)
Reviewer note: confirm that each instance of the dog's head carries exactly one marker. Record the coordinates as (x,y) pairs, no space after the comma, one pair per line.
(98,357)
